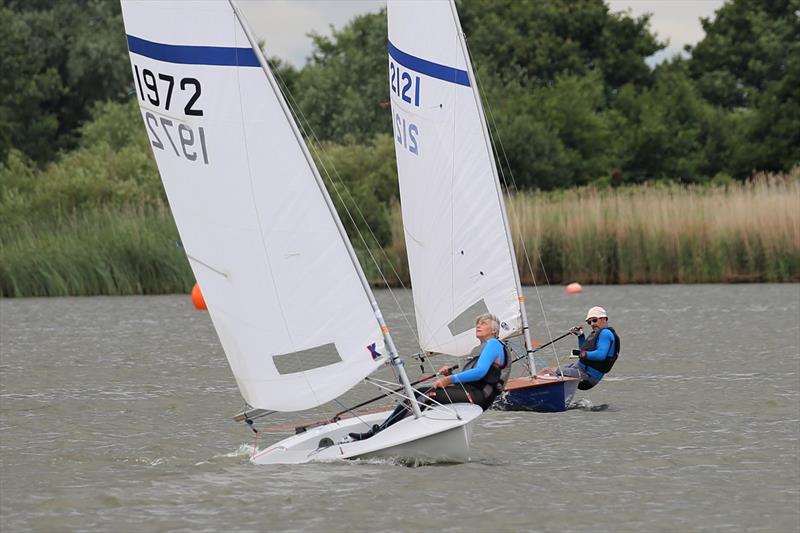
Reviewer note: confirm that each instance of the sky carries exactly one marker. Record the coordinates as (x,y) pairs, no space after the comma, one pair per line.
(283,25)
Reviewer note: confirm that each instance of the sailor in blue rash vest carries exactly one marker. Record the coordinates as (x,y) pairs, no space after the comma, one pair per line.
(598,352)
(480,381)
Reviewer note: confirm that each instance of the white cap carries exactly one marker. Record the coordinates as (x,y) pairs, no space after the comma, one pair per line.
(596,312)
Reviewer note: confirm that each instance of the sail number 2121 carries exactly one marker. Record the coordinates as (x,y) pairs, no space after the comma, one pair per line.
(405,133)
(403,84)
(407,87)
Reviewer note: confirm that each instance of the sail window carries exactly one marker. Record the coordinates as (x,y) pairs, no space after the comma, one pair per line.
(316,357)
(466,320)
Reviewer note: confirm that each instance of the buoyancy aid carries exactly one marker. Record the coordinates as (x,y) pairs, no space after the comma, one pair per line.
(495,379)
(590,344)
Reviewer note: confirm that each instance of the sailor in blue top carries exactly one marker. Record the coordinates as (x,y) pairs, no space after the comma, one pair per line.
(480,382)
(598,352)
(493,353)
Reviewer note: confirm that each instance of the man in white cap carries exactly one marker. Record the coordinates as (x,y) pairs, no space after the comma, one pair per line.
(597,353)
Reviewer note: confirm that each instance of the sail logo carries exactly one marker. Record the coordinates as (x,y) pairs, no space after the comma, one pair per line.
(373,352)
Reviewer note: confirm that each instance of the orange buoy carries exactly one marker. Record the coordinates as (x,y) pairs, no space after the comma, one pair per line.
(197,298)
(574,288)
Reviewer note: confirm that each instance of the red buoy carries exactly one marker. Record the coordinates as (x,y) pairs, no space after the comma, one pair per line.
(574,288)
(197,298)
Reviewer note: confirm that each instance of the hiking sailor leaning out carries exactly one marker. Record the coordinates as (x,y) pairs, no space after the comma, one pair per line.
(598,351)
(480,381)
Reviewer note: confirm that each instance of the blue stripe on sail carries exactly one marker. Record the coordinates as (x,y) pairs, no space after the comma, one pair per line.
(194,55)
(429,68)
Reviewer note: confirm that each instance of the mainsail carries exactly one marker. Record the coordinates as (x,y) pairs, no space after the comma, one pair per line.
(285,297)
(460,257)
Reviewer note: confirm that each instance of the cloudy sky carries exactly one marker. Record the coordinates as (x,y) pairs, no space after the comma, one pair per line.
(283,24)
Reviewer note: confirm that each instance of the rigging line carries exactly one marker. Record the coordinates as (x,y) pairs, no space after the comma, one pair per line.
(444,407)
(514,210)
(306,129)
(355,414)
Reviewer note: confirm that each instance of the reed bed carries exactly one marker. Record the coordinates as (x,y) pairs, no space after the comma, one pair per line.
(643,234)
(742,232)
(661,234)
(99,251)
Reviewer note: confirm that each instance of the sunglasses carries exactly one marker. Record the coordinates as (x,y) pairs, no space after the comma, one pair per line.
(592,321)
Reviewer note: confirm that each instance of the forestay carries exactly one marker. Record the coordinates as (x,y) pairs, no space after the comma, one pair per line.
(459,255)
(261,240)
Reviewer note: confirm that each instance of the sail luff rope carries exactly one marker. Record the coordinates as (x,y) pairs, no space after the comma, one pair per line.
(394,356)
(516,215)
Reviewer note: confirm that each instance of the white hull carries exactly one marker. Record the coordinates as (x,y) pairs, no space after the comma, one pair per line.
(438,436)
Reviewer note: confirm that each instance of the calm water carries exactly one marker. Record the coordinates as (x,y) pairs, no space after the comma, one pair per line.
(115,416)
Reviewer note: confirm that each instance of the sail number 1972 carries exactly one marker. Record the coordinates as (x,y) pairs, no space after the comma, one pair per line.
(160,90)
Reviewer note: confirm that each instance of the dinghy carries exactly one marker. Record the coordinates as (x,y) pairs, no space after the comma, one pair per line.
(294,313)
(460,251)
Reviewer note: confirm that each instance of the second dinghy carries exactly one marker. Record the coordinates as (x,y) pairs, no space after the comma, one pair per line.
(460,251)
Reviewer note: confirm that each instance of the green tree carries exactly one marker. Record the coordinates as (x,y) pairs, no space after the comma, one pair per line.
(362,181)
(749,63)
(57,59)
(534,42)
(342,92)
(552,70)
(746,47)
(669,131)
(30,85)
(113,166)
(555,136)
(772,127)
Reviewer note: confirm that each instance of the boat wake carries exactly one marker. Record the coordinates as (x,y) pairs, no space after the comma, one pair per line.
(585,404)
(244,450)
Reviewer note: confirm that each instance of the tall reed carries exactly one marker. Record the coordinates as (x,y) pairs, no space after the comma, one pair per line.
(642,234)
(657,233)
(98,251)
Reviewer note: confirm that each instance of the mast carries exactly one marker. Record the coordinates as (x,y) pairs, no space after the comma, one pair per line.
(520,297)
(393,355)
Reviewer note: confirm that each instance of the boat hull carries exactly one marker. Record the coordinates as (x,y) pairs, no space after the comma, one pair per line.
(537,394)
(438,436)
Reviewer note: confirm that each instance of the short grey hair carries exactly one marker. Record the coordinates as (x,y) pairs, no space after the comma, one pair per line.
(490,318)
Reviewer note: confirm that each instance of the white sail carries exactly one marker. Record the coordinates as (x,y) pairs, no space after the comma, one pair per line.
(459,255)
(284,295)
